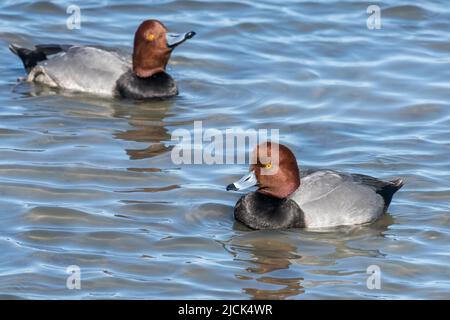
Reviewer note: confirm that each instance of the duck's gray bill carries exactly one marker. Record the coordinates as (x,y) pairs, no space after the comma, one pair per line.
(247,181)
(175,39)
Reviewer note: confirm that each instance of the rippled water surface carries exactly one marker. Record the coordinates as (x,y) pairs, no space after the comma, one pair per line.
(90,182)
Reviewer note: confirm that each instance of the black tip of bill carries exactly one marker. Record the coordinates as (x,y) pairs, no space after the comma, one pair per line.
(232,187)
(189,35)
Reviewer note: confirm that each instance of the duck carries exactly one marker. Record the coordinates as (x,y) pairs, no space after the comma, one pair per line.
(315,198)
(107,71)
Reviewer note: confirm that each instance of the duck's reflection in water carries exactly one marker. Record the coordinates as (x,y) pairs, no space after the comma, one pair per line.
(146,119)
(267,253)
(148,127)
(277,258)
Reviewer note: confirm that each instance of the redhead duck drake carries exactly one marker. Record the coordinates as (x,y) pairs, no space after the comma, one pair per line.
(105,71)
(324,198)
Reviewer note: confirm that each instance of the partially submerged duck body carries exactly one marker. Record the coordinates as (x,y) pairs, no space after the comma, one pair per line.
(323,199)
(105,71)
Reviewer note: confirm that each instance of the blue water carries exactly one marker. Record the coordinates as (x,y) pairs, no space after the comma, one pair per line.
(90,182)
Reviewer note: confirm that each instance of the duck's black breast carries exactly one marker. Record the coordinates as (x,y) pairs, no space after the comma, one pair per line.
(259,211)
(160,85)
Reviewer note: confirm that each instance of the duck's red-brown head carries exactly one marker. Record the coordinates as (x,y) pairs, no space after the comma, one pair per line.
(274,170)
(153,46)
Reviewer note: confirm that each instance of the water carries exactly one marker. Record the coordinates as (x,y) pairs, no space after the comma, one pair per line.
(90,182)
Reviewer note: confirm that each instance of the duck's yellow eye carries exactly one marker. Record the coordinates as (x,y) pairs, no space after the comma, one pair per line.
(267,165)
(150,37)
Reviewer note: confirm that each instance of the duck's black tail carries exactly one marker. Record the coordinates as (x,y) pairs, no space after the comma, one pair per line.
(30,58)
(388,190)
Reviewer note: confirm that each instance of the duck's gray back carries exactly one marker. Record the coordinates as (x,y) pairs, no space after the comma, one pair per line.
(84,69)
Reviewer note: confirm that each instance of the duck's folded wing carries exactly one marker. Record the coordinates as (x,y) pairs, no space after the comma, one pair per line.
(85,69)
(385,189)
(329,198)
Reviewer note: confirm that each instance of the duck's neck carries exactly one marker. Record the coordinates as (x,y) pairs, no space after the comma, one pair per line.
(281,192)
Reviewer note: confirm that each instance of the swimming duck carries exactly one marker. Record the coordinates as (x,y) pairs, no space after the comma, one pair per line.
(324,198)
(105,71)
